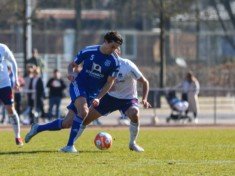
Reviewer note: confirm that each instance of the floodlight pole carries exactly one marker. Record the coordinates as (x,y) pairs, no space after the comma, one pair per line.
(162,59)
(27,31)
(198,29)
(78,9)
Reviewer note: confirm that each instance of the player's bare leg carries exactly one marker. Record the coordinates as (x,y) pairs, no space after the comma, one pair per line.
(82,111)
(133,114)
(92,115)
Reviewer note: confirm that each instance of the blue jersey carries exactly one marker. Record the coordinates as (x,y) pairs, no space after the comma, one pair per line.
(97,67)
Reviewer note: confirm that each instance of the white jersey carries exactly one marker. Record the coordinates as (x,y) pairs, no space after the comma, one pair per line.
(125,86)
(6,56)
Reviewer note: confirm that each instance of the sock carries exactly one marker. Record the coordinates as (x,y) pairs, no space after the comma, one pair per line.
(51,126)
(134,130)
(14,119)
(82,128)
(77,121)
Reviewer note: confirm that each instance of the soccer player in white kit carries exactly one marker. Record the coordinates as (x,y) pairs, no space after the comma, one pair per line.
(6,94)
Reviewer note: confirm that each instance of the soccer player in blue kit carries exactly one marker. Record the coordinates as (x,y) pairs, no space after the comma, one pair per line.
(122,96)
(99,71)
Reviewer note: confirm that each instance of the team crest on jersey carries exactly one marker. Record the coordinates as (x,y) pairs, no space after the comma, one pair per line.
(107,63)
(96,67)
(120,76)
(92,57)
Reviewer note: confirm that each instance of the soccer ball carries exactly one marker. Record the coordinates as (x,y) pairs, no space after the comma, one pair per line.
(103,140)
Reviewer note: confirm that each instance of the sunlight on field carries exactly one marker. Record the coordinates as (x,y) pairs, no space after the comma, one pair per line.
(168,151)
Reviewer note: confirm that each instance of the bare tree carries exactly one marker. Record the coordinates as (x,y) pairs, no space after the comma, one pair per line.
(228,8)
(11,12)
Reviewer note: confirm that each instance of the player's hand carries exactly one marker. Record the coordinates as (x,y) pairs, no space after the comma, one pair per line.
(17,86)
(146,104)
(96,102)
(71,77)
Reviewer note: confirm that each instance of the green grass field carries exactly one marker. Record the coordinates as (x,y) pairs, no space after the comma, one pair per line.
(168,151)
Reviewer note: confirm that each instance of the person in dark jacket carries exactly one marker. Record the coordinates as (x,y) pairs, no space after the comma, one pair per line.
(35,100)
(56,87)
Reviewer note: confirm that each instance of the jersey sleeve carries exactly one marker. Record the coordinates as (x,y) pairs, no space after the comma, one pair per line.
(10,57)
(85,53)
(80,57)
(114,69)
(135,72)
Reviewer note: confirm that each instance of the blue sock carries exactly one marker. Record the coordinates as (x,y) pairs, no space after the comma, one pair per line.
(51,126)
(74,130)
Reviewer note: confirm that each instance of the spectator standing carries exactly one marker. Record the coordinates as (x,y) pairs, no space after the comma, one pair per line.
(36,94)
(193,92)
(37,61)
(190,90)
(30,93)
(38,86)
(18,97)
(56,87)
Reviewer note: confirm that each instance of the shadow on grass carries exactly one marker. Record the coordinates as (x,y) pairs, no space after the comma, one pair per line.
(49,151)
(94,151)
(27,152)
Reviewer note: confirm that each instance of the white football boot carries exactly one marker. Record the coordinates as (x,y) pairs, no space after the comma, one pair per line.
(31,133)
(135,147)
(124,122)
(68,149)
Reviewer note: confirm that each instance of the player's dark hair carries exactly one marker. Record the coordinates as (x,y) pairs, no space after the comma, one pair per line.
(113,36)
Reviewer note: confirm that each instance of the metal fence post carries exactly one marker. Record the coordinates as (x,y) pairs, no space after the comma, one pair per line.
(215,106)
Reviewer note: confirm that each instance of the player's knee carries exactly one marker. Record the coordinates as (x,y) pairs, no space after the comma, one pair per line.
(134,112)
(10,109)
(84,112)
(134,115)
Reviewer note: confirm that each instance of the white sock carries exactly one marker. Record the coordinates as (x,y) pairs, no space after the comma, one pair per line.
(134,131)
(80,131)
(14,119)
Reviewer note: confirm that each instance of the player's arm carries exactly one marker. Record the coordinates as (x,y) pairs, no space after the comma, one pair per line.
(72,67)
(10,57)
(145,91)
(71,74)
(137,75)
(105,89)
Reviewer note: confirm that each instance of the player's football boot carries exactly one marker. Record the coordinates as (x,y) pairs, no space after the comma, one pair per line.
(135,147)
(68,149)
(31,133)
(196,120)
(124,122)
(19,141)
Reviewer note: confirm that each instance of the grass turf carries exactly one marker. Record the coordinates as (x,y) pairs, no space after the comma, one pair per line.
(176,151)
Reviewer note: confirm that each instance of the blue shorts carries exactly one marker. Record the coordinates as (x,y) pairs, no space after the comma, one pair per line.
(78,91)
(6,95)
(72,107)
(109,104)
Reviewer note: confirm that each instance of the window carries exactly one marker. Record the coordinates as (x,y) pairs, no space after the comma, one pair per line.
(129,46)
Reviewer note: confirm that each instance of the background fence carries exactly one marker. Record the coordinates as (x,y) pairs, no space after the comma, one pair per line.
(218,107)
